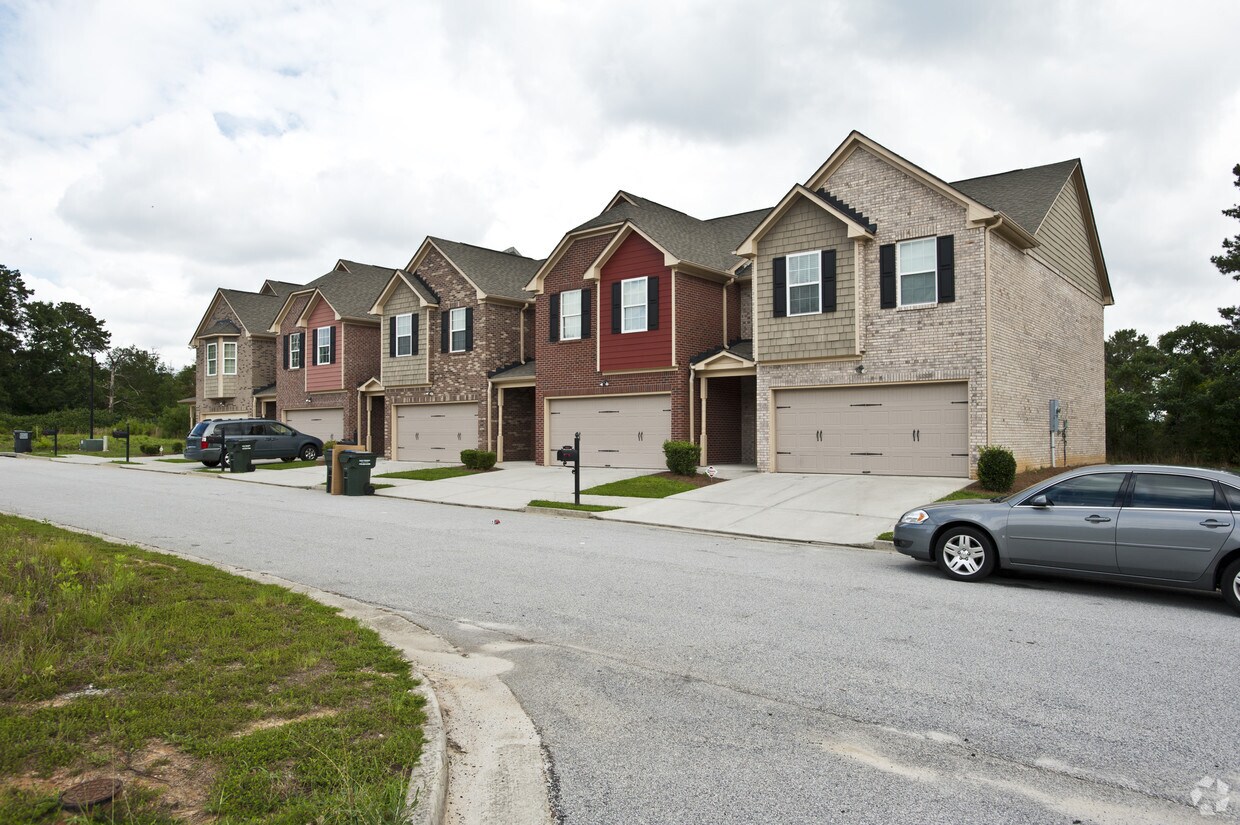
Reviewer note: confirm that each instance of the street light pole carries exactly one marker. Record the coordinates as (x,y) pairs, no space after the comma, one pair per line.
(92,395)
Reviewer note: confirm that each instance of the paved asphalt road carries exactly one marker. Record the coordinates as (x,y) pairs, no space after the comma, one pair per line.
(682,678)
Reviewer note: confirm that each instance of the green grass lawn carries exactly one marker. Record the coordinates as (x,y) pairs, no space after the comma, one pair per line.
(568,505)
(652,486)
(888,536)
(178,460)
(431,473)
(961,495)
(286,465)
(116,446)
(210,696)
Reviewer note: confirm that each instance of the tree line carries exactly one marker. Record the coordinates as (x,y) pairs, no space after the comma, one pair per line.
(1178,399)
(47,352)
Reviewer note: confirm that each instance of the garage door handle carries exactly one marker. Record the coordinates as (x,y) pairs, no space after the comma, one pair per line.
(1097,519)
(1212,523)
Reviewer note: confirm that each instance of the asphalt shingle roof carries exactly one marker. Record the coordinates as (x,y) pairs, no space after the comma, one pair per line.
(741,349)
(708,243)
(496,273)
(282,288)
(221,327)
(1024,195)
(525,370)
(352,288)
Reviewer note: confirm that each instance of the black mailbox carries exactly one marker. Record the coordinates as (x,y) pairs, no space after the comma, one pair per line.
(51,431)
(566,455)
(120,433)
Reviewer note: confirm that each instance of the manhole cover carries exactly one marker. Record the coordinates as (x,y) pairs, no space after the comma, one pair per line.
(91,792)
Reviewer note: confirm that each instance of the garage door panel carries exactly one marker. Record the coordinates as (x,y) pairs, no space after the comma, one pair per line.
(884,430)
(435,432)
(616,431)
(326,424)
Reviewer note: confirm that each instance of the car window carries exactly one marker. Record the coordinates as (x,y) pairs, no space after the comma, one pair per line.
(199,428)
(228,429)
(1233,497)
(1170,492)
(257,428)
(1097,490)
(278,429)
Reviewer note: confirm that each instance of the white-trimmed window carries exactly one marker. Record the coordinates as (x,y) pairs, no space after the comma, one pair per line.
(230,357)
(633,305)
(323,345)
(917,272)
(804,283)
(570,315)
(404,334)
(211,359)
(457,330)
(294,351)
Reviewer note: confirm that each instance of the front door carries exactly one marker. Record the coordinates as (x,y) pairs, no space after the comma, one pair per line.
(377,416)
(1076,528)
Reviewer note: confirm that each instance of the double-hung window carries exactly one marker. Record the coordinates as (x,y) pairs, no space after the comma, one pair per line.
(404,334)
(804,283)
(323,345)
(294,351)
(570,315)
(633,305)
(211,359)
(230,357)
(457,329)
(917,272)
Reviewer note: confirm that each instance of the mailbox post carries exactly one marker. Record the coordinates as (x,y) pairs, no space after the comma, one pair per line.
(125,435)
(566,454)
(54,432)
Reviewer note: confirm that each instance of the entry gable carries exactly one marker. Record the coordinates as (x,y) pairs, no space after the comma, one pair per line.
(312,305)
(410,280)
(859,227)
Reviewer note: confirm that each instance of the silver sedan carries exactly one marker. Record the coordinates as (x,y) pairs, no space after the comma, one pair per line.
(1150,524)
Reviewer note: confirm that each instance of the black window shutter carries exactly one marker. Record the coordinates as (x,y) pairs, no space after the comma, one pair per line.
(779,286)
(947,269)
(301,347)
(392,337)
(286,352)
(652,302)
(332,337)
(585,313)
(469,328)
(413,332)
(445,323)
(887,276)
(555,317)
(828,280)
(615,308)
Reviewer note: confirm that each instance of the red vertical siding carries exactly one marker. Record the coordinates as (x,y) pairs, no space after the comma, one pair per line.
(325,376)
(652,349)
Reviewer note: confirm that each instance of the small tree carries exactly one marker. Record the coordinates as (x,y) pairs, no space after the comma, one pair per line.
(996,469)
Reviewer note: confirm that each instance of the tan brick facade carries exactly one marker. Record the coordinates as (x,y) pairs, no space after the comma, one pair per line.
(231,395)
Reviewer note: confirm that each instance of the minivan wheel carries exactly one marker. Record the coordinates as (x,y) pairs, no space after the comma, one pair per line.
(309,453)
(1231,585)
(211,463)
(965,554)
(286,459)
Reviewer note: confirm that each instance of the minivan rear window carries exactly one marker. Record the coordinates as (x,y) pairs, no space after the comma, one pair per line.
(199,428)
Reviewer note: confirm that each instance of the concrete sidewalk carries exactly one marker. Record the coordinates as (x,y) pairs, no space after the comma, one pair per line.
(512,487)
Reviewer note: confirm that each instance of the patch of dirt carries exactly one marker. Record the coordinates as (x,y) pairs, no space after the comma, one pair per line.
(699,480)
(268,724)
(1029,478)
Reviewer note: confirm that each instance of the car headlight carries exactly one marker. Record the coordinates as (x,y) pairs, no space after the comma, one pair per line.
(914,517)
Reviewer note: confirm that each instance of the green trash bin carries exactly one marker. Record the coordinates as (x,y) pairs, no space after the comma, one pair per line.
(21,441)
(356,467)
(329,472)
(241,455)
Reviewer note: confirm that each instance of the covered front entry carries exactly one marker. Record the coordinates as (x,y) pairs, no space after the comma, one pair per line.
(326,423)
(903,429)
(616,430)
(435,432)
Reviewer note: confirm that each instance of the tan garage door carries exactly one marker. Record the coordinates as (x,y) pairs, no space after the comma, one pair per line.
(436,432)
(907,430)
(327,423)
(616,430)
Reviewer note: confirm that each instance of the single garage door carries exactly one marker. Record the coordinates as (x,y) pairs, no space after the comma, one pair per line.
(436,432)
(905,430)
(327,423)
(616,430)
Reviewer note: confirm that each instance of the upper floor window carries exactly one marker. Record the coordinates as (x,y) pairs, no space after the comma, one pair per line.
(230,357)
(633,305)
(404,334)
(211,359)
(323,345)
(917,272)
(570,315)
(804,283)
(457,327)
(294,351)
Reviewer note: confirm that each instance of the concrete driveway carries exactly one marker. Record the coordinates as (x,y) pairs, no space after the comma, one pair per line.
(511,488)
(837,509)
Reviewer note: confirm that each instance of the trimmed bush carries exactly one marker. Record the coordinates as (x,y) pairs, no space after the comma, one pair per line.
(149,449)
(175,447)
(682,457)
(470,459)
(485,460)
(996,469)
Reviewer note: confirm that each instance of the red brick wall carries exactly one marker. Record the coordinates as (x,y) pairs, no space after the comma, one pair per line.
(734,312)
(723,421)
(360,364)
(518,424)
(291,384)
(635,258)
(321,377)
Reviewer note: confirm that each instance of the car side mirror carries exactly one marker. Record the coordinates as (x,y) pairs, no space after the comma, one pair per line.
(1040,501)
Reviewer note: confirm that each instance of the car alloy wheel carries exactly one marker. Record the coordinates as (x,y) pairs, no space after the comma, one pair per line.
(966,554)
(308,453)
(1231,585)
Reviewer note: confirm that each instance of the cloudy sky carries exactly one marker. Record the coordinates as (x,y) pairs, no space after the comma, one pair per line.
(152,151)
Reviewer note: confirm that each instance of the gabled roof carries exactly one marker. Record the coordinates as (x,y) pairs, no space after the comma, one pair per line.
(220,327)
(491,272)
(255,311)
(350,288)
(741,350)
(859,226)
(420,288)
(1025,195)
(281,288)
(514,372)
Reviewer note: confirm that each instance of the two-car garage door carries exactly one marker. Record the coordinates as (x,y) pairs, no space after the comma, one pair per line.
(616,430)
(436,432)
(327,423)
(907,429)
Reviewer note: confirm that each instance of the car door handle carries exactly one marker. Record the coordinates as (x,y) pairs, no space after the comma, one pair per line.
(1096,519)
(1213,523)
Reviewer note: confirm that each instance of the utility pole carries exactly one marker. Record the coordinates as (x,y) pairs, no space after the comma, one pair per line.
(92,395)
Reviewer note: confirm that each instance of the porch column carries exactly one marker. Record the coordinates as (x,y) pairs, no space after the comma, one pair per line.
(499,429)
(704,442)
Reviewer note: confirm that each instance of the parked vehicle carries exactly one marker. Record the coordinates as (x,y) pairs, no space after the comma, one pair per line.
(1159,525)
(272,439)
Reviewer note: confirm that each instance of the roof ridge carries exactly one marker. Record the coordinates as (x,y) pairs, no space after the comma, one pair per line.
(483,248)
(1014,171)
(662,206)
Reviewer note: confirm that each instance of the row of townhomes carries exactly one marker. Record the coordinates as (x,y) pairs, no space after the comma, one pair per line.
(876,320)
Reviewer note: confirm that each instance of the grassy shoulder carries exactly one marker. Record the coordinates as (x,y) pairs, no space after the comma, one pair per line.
(657,485)
(568,505)
(432,473)
(208,695)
